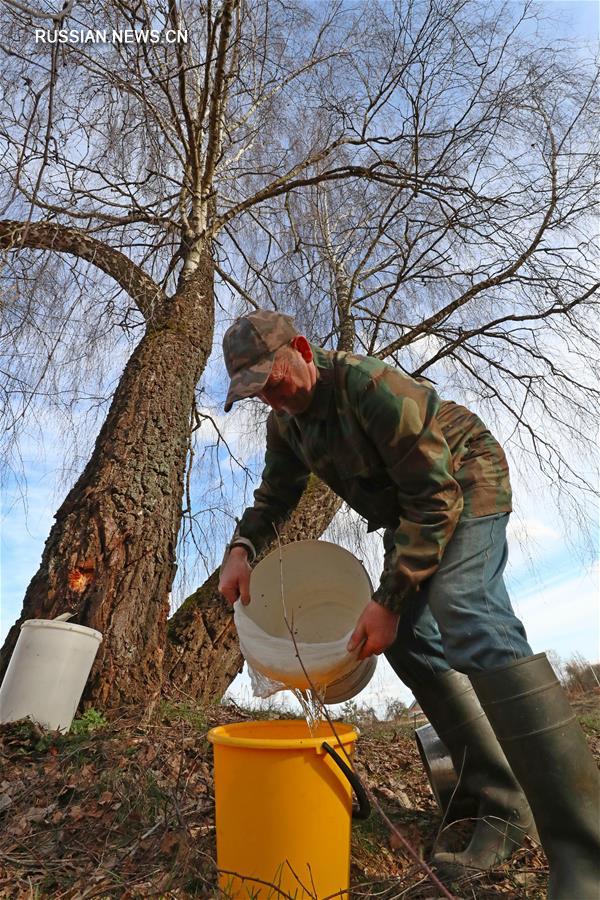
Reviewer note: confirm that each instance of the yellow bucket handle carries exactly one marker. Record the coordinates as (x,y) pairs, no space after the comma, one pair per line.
(364,806)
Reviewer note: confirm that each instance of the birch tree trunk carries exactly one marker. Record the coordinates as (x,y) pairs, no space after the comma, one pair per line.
(110,556)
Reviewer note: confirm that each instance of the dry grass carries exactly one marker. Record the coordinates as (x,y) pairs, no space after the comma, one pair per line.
(127,810)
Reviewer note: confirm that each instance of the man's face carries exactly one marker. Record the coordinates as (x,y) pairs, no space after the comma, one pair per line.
(289,386)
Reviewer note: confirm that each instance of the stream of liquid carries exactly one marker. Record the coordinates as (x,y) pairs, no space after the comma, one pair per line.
(311,702)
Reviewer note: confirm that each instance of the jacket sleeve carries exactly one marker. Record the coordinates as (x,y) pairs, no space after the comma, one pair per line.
(399,416)
(284,478)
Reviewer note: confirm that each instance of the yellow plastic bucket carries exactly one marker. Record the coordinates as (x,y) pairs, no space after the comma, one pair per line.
(283,809)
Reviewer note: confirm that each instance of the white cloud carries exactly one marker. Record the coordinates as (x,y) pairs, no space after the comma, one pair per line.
(524,530)
(564,614)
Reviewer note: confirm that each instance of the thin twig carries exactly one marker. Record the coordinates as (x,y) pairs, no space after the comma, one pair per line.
(269,884)
(322,708)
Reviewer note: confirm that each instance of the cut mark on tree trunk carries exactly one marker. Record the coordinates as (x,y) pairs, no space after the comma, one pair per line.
(80,577)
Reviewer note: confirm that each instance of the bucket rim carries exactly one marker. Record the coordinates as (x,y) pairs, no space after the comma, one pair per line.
(221,735)
(64,626)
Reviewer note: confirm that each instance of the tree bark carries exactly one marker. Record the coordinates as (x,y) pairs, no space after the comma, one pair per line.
(203,656)
(110,556)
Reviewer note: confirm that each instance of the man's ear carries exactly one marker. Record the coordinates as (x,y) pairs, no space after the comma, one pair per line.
(300,344)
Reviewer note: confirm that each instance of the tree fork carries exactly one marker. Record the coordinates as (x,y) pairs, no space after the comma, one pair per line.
(202,655)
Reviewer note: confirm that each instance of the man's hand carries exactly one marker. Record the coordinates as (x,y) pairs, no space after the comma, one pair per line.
(234,578)
(377,628)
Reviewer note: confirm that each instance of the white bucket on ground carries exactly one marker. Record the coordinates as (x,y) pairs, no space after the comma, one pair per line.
(325,589)
(47,672)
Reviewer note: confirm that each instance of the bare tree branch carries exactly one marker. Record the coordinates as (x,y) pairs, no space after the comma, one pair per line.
(61,239)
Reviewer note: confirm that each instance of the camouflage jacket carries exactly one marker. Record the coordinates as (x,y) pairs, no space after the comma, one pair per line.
(404,460)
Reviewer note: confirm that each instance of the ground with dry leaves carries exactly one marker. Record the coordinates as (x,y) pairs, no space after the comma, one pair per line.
(126,809)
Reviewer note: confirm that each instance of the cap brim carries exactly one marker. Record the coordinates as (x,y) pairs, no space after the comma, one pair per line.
(250,381)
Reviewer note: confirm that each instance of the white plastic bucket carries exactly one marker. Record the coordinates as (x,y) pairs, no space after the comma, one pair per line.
(325,589)
(47,672)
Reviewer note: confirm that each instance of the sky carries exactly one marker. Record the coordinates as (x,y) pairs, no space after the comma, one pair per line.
(554,583)
(579,19)
(552,576)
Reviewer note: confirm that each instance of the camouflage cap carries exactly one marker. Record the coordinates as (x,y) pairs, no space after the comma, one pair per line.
(249,348)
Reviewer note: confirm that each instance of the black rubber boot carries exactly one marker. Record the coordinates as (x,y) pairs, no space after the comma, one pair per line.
(502,813)
(548,752)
